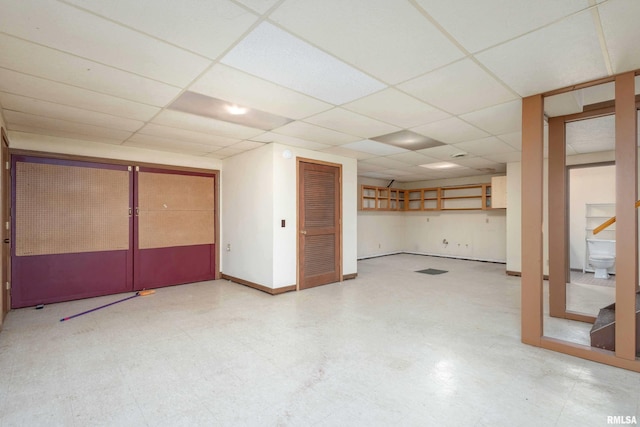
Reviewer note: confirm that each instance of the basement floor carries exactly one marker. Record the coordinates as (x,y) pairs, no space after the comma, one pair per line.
(392,347)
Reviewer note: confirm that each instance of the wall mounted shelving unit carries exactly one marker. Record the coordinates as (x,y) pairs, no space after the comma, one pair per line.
(455,198)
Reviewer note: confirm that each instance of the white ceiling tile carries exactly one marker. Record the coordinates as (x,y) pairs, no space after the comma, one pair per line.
(451,130)
(413,158)
(514,139)
(63,134)
(366,167)
(205,27)
(233,85)
(315,133)
(170,145)
(458,88)
(168,132)
(18,118)
(601,93)
(397,172)
(498,119)
(40,61)
(290,140)
(619,20)
(480,24)
(556,56)
(345,152)
(388,39)
(484,146)
(277,56)
(476,163)
(100,40)
(351,123)
(260,6)
(192,122)
(514,156)
(596,134)
(378,175)
(247,145)
(34,87)
(224,153)
(374,147)
(443,152)
(63,112)
(386,162)
(397,108)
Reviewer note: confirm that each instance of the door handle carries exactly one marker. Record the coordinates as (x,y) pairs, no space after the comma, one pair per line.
(6,240)
(303,231)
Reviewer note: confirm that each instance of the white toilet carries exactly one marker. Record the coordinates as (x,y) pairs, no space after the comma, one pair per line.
(602,256)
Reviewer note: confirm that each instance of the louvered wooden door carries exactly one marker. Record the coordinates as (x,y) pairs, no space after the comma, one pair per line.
(319,224)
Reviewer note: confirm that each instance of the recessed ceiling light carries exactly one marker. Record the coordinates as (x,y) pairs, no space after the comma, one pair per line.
(235,110)
(442,165)
(214,108)
(409,140)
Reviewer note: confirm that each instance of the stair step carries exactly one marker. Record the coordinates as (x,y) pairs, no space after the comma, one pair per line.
(606,317)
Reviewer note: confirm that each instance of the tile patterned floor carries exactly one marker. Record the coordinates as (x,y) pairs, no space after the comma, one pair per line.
(392,347)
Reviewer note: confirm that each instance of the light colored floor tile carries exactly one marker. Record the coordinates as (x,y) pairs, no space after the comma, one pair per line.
(392,347)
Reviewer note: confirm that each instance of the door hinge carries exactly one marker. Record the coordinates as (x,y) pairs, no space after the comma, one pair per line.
(6,225)
(129,168)
(7,166)
(8,285)
(137,168)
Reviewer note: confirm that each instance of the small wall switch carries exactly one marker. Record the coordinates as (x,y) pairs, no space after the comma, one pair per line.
(282,222)
(228,247)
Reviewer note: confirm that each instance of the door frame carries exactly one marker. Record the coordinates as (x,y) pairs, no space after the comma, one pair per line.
(5,292)
(298,230)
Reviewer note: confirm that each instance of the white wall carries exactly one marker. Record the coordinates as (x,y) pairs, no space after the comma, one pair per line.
(470,234)
(52,144)
(247,216)
(587,185)
(514,217)
(262,239)
(379,233)
(477,235)
(514,213)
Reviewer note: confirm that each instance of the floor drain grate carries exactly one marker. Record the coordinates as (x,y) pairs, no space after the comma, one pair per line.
(432,271)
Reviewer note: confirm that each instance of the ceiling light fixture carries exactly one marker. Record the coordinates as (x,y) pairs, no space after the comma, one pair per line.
(236,110)
(441,165)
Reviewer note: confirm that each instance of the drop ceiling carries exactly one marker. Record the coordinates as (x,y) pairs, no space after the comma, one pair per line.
(335,76)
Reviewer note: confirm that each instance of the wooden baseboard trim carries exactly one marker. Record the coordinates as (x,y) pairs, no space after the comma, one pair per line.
(349,276)
(270,291)
(519,274)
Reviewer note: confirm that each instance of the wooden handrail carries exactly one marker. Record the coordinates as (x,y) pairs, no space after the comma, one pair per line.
(609,222)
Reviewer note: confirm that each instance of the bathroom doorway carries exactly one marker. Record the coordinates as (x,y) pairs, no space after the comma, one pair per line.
(591,202)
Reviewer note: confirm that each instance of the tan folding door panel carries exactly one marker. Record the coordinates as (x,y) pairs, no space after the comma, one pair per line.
(72,230)
(175,218)
(319,224)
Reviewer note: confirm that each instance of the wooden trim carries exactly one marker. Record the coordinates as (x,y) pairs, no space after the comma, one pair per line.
(270,291)
(626,216)
(580,317)
(349,276)
(110,161)
(596,82)
(589,353)
(557,214)
(5,294)
(532,198)
(519,274)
